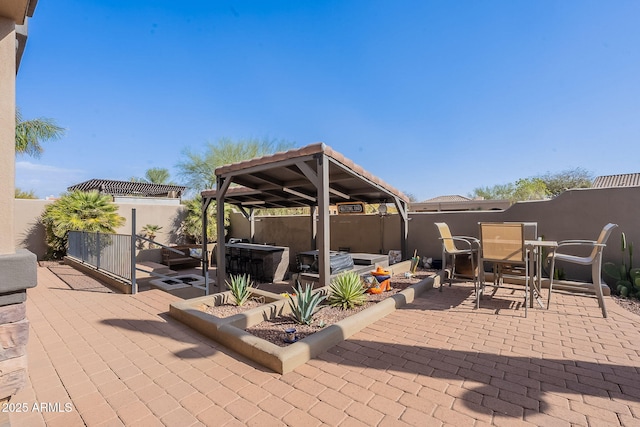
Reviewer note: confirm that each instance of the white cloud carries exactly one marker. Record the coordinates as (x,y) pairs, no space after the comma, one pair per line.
(46,180)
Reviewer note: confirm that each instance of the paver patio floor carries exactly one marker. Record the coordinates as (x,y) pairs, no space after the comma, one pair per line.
(118,359)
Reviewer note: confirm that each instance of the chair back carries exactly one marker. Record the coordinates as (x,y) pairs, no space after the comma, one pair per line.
(502,242)
(602,239)
(445,235)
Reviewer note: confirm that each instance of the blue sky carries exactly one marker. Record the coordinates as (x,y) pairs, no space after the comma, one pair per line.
(434,97)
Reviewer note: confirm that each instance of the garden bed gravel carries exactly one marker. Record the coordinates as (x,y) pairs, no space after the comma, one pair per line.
(273,330)
(629,304)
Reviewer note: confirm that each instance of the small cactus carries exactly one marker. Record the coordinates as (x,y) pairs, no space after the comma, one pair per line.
(627,278)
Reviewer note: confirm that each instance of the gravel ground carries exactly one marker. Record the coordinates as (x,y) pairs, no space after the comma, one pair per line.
(273,330)
(632,305)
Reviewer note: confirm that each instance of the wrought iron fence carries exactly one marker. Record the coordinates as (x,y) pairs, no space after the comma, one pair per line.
(108,252)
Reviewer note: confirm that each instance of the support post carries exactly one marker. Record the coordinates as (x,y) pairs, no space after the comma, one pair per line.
(205,239)
(250,216)
(252,225)
(404,226)
(324,242)
(134,285)
(98,249)
(313,219)
(222,185)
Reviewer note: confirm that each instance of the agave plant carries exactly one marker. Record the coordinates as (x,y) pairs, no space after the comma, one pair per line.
(347,291)
(306,302)
(240,288)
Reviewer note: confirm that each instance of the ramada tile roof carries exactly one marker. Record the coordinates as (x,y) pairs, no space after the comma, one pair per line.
(311,150)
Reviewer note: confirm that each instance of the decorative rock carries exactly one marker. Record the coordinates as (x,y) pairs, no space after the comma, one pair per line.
(13,340)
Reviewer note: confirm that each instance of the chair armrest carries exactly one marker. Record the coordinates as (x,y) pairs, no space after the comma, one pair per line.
(564,243)
(579,243)
(470,238)
(470,241)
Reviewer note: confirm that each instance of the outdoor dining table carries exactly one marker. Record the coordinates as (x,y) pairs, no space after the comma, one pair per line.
(534,253)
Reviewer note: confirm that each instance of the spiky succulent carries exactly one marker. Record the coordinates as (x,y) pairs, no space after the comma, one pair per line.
(304,304)
(347,291)
(240,287)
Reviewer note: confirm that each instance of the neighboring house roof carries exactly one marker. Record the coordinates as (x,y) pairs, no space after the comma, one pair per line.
(458,203)
(622,180)
(129,188)
(449,198)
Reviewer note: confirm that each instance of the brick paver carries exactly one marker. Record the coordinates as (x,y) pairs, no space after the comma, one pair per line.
(101,358)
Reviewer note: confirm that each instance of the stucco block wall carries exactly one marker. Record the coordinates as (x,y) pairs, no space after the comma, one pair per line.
(575,214)
(361,233)
(29,233)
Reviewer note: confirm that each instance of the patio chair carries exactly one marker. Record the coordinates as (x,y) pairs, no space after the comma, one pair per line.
(594,259)
(502,244)
(469,246)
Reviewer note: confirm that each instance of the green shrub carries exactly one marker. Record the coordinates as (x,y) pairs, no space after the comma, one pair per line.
(191,226)
(240,287)
(78,211)
(347,291)
(306,302)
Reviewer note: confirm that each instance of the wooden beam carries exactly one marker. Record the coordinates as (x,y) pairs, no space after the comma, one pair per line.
(222,185)
(339,193)
(404,226)
(206,202)
(346,170)
(299,194)
(311,175)
(267,166)
(313,217)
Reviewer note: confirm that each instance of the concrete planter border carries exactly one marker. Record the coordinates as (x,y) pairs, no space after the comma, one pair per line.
(230,331)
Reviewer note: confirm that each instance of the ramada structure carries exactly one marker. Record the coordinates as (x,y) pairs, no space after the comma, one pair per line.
(314,176)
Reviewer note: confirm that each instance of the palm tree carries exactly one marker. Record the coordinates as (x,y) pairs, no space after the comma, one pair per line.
(192,223)
(151,231)
(154,176)
(157,176)
(21,194)
(81,211)
(30,133)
